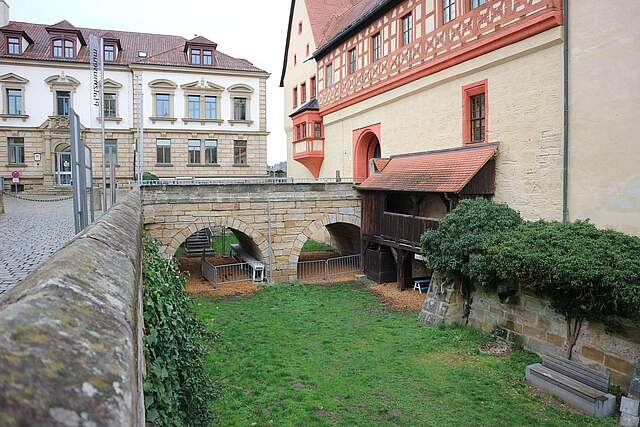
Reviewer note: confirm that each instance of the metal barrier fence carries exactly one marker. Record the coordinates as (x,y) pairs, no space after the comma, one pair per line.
(332,267)
(307,270)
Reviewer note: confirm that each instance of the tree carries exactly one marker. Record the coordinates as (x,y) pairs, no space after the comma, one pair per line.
(587,273)
(456,248)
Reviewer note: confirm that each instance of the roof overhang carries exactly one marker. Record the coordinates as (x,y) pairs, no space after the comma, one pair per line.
(466,170)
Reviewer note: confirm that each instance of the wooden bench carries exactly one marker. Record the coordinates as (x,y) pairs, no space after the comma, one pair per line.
(581,387)
(421,283)
(257,267)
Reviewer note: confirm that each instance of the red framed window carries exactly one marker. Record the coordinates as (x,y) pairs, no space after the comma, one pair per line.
(407,29)
(474,112)
(449,11)
(376,47)
(353,61)
(312,87)
(295,97)
(303,93)
(477,3)
(328,75)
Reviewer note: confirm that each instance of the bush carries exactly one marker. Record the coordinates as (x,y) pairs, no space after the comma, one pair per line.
(587,273)
(178,391)
(455,247)
(148,176)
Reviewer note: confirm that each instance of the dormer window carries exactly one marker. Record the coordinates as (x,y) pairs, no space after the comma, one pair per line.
(63,48)
(207,57)
(13,46)
(109,52)
(195,56)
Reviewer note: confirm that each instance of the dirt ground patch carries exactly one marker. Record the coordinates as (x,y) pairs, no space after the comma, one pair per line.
(408,299)
(198,285)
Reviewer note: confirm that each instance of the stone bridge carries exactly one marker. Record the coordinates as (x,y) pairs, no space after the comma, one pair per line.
(272,221)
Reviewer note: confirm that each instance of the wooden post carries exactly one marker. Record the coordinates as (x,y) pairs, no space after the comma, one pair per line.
(405,270)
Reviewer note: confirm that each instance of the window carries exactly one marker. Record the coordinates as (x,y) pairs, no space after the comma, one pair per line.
(353,61)
(14,102)
(303,93)
(476,3)
(194,151)
(448,10)
(162,105)
(63,100)
(109,52)
(295,59)
(240,152)
(195,56)
(477,115)
(407,29)
(210,107)
(302,130)
(308,50)
(317,130)
(295,97)
(211,152)
(474,104)
(16,150)
(240,108)
(312,87)
(163,151)
(376,46)
(299,27)
(68,49)
(57,48)
(13,46)
(111,151)
(207,57)
(329,75)
(193,107)
(110,101)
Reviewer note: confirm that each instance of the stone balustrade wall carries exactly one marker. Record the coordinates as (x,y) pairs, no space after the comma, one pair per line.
(71,348)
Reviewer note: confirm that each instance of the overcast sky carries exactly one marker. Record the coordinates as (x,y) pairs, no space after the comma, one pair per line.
(251,29)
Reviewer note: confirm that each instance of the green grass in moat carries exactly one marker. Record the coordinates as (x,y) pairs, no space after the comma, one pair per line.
(314,246)
(301,355)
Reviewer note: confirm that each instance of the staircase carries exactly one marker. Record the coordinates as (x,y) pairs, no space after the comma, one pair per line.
(198,242)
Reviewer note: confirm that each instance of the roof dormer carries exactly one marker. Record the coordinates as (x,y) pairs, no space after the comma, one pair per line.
(200,51)
(112,47)
(16,40)
(66,40)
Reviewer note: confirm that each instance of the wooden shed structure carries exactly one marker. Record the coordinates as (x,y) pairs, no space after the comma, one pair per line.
(410,193)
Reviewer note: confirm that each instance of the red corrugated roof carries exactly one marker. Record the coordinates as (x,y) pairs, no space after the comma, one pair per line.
(161,49)
(443,171)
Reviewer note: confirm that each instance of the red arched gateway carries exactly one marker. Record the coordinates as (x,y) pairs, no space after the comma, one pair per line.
(366,146)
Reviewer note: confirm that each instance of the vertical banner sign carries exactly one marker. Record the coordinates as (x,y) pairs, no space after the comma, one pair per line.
(78,178)
(97,97)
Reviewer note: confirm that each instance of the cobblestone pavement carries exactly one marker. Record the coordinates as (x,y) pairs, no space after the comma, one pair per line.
(30,232)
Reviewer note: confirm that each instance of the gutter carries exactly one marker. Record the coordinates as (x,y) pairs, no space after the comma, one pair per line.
(565,147)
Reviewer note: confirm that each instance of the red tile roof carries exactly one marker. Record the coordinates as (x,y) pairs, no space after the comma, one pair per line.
(380,164)
(323,13)
(344,18)
(161,49)
(443,171)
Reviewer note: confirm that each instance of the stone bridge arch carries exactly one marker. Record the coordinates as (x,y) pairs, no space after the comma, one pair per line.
(171,244)
(326,221)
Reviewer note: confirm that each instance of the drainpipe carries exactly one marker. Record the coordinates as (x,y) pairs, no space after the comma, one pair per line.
(565,148)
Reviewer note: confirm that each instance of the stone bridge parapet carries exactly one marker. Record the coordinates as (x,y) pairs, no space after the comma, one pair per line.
(71,333)
(276,219)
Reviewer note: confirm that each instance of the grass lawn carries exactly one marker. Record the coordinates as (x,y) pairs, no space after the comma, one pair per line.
(314,246)
(308,355)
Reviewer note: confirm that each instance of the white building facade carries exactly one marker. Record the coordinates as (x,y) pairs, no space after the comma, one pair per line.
(203,112)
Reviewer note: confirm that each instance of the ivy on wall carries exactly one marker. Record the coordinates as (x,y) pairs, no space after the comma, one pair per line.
(177,388)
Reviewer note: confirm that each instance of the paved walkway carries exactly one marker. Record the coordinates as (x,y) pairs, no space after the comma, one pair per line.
(30,232)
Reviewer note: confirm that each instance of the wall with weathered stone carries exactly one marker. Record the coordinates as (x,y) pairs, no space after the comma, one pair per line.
(71,332)
(298,212)
(533,323)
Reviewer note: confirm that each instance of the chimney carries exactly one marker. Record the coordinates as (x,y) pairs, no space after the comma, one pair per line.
(4,13)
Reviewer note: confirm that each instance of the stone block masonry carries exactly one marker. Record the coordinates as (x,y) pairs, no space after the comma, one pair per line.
(298,212)
(533,323)
(71,332)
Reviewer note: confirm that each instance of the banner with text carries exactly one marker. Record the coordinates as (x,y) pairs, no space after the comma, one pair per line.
(95,60)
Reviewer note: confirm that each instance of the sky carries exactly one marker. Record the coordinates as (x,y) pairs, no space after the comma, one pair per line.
(250,29)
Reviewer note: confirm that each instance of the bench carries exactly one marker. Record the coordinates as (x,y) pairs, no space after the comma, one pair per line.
(581,387)
(421,283)
(257,267)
